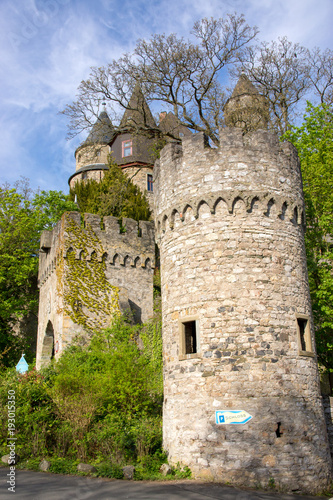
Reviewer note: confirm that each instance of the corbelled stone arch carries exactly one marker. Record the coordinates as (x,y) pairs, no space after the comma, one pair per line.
(48,345)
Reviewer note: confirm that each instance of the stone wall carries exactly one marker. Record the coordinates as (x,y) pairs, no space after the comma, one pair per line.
(91,154)
(87,274)
(92,173)
(139,177)
(230,227)
(328,409)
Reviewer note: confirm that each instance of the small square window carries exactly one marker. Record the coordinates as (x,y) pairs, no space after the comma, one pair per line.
(127,148)
(150,183)
(181,134)
(189,338)
(84,175)
(304,335)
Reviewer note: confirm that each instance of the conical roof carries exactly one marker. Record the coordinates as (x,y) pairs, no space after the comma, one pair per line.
(102,131)
(244,87)
(137,112)
(246,108)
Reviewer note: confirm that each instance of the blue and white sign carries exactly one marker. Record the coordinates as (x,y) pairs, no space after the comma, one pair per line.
(223,417)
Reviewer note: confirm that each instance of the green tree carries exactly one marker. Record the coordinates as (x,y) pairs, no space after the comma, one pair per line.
(22,218)
(115,195)
(314,142)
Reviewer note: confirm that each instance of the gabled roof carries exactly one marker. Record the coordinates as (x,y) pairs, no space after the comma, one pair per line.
(138,111)
(102,131)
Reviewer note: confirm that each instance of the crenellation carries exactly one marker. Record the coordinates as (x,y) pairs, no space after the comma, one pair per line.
(230,226)
(131,227)
(238,333)
(93,221)
(114,269)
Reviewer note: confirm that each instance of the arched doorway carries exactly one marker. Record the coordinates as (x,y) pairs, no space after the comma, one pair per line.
(48,345)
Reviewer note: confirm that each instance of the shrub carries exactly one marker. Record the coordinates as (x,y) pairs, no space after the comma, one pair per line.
(101,401)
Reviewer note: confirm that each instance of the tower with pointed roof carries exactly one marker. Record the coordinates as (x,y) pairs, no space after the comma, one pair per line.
(131,146)
(246,108)
(92,156)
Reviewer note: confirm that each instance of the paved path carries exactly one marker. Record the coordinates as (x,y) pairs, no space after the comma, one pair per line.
(44,486)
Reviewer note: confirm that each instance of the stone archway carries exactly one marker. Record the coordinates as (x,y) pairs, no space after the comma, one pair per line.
(48,345)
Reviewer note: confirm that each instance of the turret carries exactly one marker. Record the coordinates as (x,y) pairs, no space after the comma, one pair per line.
(92,155)
(246,108)
(242,399)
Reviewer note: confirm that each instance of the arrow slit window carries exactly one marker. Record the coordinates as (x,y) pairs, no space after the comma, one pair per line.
(150,183)
(304,335)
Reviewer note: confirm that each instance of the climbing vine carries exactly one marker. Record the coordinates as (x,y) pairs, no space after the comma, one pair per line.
(88,297)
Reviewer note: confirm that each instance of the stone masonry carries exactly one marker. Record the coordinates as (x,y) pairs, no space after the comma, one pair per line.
(237,322)
(87,274)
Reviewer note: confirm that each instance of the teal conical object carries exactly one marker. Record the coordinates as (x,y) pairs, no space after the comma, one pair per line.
(22,366)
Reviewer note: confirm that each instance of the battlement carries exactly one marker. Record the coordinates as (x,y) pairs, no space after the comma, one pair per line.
(230,226)
(251,166)
(230,137)
(125,242)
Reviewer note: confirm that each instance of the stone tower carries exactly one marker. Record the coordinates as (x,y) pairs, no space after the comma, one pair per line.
(241,386)
(246,108)
(92,155)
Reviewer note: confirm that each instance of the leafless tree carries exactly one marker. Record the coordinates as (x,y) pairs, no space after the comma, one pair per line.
(280,71)
(321,74)
(182,75)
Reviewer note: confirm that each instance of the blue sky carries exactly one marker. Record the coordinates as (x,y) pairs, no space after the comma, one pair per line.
(48,46)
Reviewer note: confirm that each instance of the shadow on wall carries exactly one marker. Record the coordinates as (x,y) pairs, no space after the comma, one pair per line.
(136,311)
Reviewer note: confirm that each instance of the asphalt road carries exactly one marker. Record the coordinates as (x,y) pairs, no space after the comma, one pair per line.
(45,486)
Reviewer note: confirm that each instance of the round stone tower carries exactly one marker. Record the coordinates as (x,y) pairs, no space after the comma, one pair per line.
(242,397)
(246,108)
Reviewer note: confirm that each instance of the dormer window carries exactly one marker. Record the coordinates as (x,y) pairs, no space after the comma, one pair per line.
(126,148)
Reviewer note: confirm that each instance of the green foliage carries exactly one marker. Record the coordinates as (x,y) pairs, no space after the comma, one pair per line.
(63,466)
(100,402)
(109,470)
(115,195)
(22,219)
(90,300)
(35,417)
(314,142)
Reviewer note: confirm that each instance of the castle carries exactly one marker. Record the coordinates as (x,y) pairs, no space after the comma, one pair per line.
(242,399)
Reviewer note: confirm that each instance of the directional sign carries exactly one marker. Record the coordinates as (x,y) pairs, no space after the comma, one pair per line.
(223,417)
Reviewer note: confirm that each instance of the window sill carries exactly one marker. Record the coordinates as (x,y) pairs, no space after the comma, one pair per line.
(195,355)
(307,353)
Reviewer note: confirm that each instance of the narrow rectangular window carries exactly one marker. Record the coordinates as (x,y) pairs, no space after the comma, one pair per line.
(127,148)
(150,183)
(304,335)
(189,338)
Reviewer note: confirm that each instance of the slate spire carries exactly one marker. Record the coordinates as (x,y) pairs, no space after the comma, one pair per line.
(137,112)
(102,131)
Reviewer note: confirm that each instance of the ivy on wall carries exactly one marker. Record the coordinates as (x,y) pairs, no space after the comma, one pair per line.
(88,297)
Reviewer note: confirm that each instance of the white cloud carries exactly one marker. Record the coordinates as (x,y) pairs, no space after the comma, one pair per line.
(47,48)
